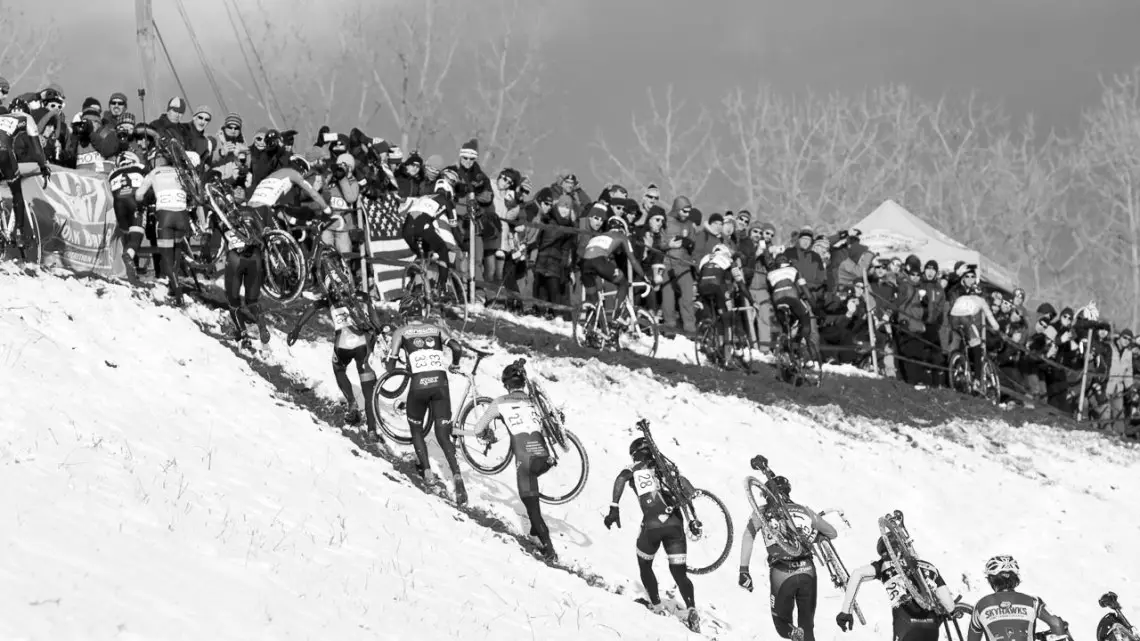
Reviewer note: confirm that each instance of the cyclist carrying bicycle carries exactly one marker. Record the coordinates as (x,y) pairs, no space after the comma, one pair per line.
(428,389)
(603,257)
(1008,614)
(662,523)
(172,215)
(18,130)
(283,189)
(245,270)
(793,581)
(532,458)
(126,178)
(968,315)
(719,278)
(787,287)
(352,343)
(430,220)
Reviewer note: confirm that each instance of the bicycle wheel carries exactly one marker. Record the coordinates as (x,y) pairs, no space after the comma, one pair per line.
(390,400)
(585,326)
(641,337)
(991,384)
(455,296)
(706,349)
(811,365)
(709,549)
(959,374)
(574,466)
(285,267)
(31,250)
(487,455)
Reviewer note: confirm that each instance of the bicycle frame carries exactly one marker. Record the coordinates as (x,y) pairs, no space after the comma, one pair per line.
(604,318)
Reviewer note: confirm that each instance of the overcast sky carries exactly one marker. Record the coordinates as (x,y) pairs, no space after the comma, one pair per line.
(1034,55)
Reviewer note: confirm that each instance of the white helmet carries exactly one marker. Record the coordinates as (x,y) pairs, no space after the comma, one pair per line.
(1001,564)
(445,185)
(129,158)
(722,249)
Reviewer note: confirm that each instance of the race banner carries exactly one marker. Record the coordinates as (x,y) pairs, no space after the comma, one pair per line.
(76,218)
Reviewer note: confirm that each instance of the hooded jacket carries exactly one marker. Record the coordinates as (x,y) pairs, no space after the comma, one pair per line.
(678,226)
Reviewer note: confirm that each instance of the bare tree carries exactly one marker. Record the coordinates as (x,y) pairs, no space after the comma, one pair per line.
(507,86)
(26,49)
(672,148)
(1111,164)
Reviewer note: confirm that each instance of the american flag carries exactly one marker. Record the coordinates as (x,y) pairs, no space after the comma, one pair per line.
(385,221)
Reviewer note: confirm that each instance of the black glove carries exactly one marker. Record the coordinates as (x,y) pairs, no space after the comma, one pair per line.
(613,517)
(745,580)
(845,621)
(45,171)
(292,336)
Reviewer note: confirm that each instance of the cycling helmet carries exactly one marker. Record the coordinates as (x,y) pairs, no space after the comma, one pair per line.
(450,175)
(300,164)
(617,224)
(1003,572)
(444,185)
(19,105)
(780,486)
(783,261)
(514,375)
(639,449)
(411,307)
(722,249)
(346,161)
(129,158)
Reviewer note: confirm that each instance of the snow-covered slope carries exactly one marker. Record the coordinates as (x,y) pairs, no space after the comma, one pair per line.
(176,480)
(155,488)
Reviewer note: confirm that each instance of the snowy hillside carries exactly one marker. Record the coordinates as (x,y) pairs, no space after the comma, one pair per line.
(163,471)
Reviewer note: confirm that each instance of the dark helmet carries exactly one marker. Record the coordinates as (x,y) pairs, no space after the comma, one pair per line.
(617,224)
(881,548)
(639,449)
(19,105)
(783,261)
(411,307)
(780,486)
(514,375)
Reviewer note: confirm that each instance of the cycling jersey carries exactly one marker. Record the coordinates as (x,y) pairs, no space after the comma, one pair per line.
(803,521)
(786,282)
(14,124)
(432,220)
(715,269)
(524,422)
(125,180)
(1007,616)
(968,305)
(895,584)
(656,502)
(277,188)
(168,192)
(424,343)
(605,245)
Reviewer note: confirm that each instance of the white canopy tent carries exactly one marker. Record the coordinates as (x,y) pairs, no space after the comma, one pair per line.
(892,231)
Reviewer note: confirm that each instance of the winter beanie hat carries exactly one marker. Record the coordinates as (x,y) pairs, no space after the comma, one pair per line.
(203,109)
(118,95)
(92,105)
(232,120)
(177,105)
(469,149)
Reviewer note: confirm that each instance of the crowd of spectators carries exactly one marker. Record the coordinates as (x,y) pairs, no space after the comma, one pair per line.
(527,241)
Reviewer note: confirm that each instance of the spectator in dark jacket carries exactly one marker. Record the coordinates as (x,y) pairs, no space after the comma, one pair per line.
(194,137)
(410,181)
(809,264)
(678,294)
(554,251)
(169,124)
(567,185)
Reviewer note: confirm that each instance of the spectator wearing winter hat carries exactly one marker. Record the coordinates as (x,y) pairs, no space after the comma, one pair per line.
(678,293)
(116,106)
(169,124)
(1120,376)
(937,334)
(432,166)
(809,264)
(194,136)
(474,202)
(231,155)
(650,199)
(410,178)
(708,236)
(554,243)
(756,249)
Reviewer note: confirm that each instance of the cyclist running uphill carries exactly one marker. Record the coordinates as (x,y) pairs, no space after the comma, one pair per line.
(351,343)
(787,287)
(605,257)
(429,222)
(282,190)
(532,459)
(19,133)
(172,217)
(245,270)
(720,277)
(911,622)
(793,579)
(969,313)
(428,389)
(125,180)
(1009,615)
(662,523)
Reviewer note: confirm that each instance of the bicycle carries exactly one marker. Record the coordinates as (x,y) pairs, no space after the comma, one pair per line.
(711,341)
(477,452)
(798,361)
(688,499)
(790,537)
(422,277)
(596,328)
(1114,626)
(964,380)
(29,248)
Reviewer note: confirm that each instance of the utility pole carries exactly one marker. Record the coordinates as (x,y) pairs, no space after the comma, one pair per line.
(144,32)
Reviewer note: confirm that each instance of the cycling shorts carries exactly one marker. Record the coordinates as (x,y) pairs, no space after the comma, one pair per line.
(175,224)
(9,165)
(603,267)
(970,325)
(796,309)
(671,534)
(909,628)
(531,461)
(435,396)
(713,296)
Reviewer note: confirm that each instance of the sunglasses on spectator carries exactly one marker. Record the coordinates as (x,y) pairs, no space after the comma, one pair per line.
(231,128)
(618,207)
(55,105)
(203,118)
(3,92)
(259,139)
(653,197)
(117,103)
